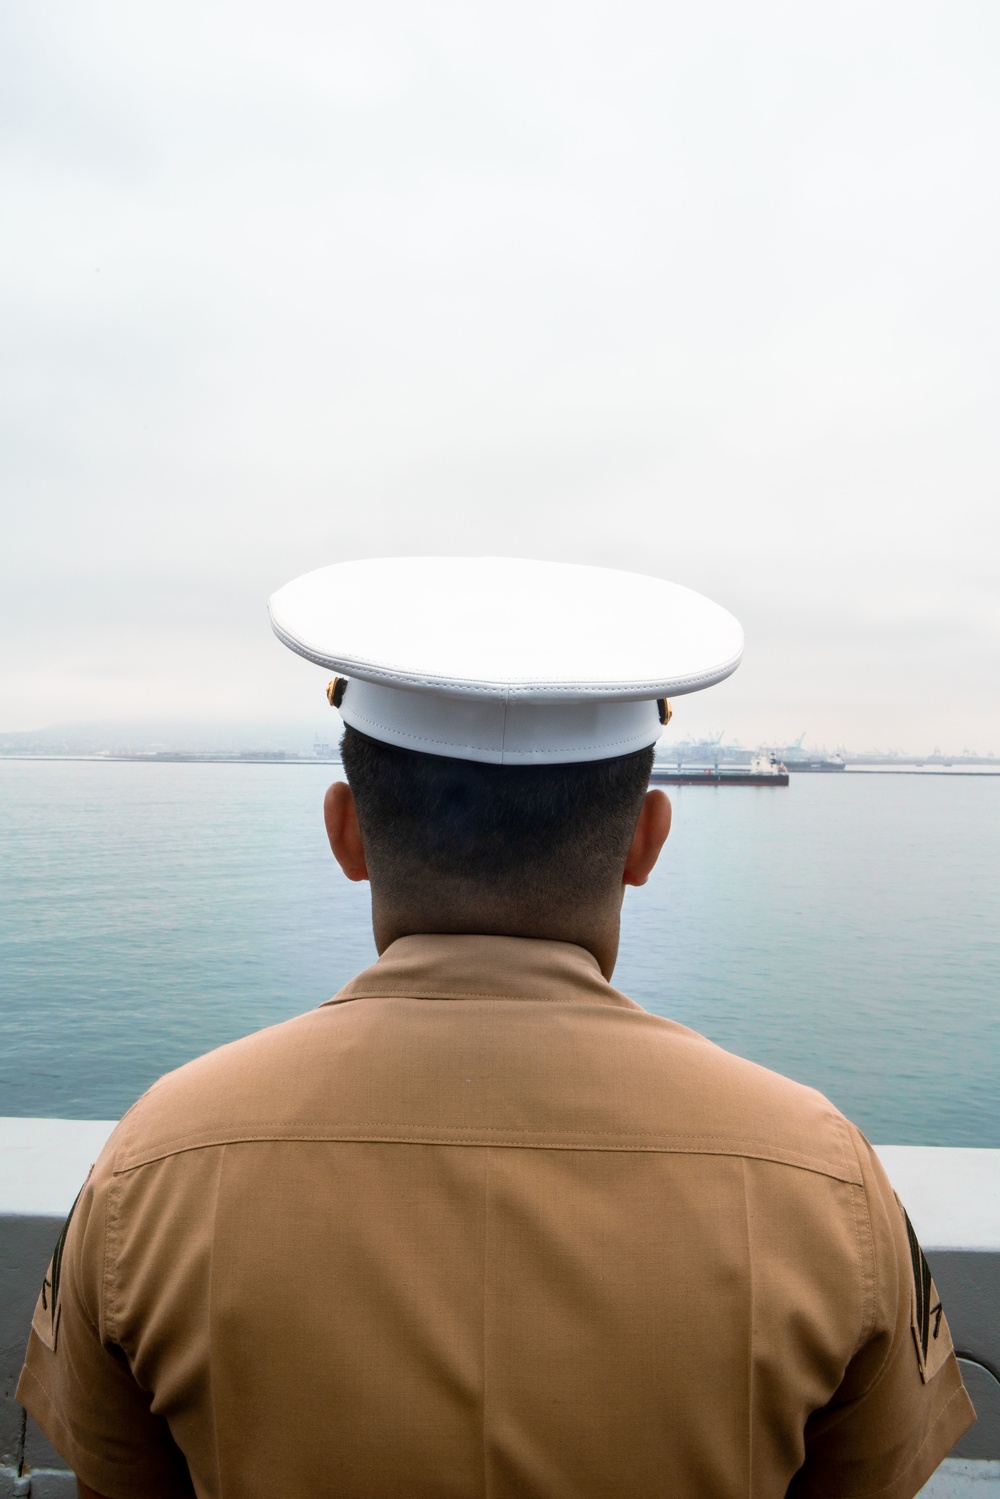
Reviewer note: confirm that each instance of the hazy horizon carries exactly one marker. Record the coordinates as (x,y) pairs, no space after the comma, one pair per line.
(706,292)
(300,736)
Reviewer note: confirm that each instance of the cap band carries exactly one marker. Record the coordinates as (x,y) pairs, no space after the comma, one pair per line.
(499,730)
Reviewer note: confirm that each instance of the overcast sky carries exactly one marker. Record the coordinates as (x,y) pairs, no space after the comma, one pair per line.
(707,291)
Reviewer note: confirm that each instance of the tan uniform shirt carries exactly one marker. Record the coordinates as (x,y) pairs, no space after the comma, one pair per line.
(481,1226)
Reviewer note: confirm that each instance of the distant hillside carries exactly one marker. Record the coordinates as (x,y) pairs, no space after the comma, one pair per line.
(146,738)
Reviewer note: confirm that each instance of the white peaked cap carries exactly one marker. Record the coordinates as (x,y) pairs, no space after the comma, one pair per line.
(505,661)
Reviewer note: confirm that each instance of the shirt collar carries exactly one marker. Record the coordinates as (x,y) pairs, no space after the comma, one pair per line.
(445,966)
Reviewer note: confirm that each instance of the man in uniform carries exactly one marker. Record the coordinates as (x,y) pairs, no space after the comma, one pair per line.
(481,1226)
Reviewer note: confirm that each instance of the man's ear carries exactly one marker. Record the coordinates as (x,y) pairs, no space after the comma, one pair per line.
(341,818)
(649,837)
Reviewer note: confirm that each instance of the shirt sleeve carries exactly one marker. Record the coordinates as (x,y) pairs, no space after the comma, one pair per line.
(901,1406)
(77,1384)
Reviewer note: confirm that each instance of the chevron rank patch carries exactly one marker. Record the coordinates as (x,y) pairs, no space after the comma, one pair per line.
(931,1334)
(45,1322)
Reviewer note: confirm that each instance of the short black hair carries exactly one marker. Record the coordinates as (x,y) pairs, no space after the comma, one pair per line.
(519,828)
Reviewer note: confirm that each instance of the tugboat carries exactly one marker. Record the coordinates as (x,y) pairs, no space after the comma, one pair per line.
(815,762)
(797,759)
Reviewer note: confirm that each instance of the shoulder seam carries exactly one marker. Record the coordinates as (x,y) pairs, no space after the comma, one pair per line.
(486,1136)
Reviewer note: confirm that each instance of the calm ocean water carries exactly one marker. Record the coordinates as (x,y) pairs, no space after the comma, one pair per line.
(843,931)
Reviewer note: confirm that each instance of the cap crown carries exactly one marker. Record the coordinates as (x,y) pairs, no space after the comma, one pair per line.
(487,625)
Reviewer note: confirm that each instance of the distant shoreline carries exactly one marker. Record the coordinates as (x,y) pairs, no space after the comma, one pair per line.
(916,770)
(183,758)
